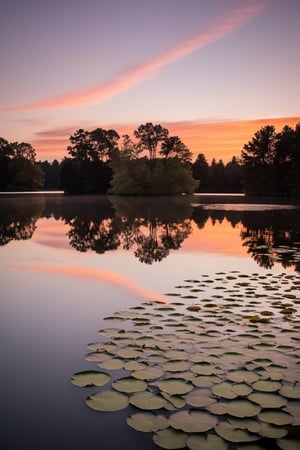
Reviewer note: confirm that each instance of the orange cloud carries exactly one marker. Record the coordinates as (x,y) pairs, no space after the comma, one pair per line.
(219,139)
(212,31)
(106,276)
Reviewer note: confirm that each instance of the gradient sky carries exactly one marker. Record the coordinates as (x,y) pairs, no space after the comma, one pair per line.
(212,71)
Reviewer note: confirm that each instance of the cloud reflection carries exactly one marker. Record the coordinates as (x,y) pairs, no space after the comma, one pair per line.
(92,274)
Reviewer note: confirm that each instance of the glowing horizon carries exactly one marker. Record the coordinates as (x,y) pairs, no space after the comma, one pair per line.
(216,139)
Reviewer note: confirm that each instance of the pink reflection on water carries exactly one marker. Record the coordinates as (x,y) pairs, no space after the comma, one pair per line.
(87,273)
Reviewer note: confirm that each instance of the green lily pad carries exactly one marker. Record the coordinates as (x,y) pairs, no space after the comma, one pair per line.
(232,434)
(176,366)
(150,373)
(266,385)
(241,408)
(175,386)
(288,444)
(270,431)
(224,390)
(147,422)
(267,400)
(192,421)
(242,376)
(129,385)
(112,364)
(147,400)
(90,378)
(206,442)
(290,391)
(276,417)
(245,424)
(170,438)
(199,398)
(107,401)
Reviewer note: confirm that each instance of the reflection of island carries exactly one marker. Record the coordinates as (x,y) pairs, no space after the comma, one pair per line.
(271,235)
(152,227)
(147,227)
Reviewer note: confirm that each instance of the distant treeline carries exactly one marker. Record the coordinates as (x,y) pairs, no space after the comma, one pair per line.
(155,163)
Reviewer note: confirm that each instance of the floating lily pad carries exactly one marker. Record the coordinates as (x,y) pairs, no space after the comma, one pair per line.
(129,385)
(232,434)
(170,438)
(245,424)
(241,408)
(266,385)
(147,422)
(147,400)
(176,366)
(224,390)
(199,398)
(175,386)
(290,391)
(270,431)
(267,400)
(107,401)
(192,421)
(112,364)
(90,378)
(288,444)
(276,417)
(150,373)
(206,442)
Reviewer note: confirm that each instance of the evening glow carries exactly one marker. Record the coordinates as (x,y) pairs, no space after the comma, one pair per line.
(211,72)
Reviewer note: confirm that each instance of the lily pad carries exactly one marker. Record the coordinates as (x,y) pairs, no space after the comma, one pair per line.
(291,391)
(175,386)
(199,398)
(206,442)
(267,400)
(107,401)
(224,390)
(192,421)
(232,434)
(129,385)
(276,417)
(170,438)
(288,444)
(147,400)
(90,378)
(270,431)
(147,422)
(241,408)
(266,385)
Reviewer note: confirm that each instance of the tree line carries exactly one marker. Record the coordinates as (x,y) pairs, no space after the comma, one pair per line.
(154,163)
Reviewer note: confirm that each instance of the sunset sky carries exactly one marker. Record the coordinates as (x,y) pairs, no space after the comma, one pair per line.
(212,71)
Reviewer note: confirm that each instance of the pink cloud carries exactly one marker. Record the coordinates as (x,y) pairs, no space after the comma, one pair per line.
(88,273)
(212,31)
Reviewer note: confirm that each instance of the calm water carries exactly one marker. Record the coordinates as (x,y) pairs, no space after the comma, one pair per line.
(68,262)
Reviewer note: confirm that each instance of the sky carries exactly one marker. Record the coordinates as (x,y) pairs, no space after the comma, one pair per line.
(211,71)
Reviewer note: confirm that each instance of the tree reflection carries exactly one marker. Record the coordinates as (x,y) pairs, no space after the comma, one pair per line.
(153,227)
(18,219)
(147,228)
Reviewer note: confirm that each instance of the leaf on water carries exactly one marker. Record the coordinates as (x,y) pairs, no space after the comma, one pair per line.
(232,434)
(266,385)
(107,401)
(147,422)
(276,417)
(206,442)
(192,421)
(175,386)
(129,385)
(90,378)
(242,408)
(267,400)
(170,439)
(290,391)
(147,400)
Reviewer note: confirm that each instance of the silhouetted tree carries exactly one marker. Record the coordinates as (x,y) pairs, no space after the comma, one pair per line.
(150,136)
(174,147)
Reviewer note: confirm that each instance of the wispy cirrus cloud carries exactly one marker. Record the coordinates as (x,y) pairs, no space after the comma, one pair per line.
(210,32)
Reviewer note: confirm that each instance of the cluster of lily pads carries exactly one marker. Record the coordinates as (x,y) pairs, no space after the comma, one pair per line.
(216,367)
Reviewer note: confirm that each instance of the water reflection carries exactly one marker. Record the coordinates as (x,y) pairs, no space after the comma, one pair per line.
(153,227)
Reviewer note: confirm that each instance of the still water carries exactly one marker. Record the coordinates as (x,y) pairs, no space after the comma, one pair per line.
(69,262)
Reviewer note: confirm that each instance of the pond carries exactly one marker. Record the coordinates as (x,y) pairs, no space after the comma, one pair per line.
(189,305)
